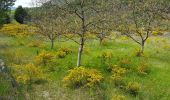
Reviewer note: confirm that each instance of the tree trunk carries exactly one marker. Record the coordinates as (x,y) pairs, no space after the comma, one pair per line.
(52,44)
(142,46)
(80,52)
(101,40)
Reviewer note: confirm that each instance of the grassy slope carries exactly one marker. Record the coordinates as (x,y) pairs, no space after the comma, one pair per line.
(155,86)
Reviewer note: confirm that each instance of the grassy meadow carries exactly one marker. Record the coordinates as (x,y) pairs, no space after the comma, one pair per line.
(151,82)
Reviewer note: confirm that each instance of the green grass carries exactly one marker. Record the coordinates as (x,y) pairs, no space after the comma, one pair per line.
(154,86)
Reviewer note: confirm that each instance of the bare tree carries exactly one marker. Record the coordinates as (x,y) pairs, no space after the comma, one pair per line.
(138,18)
(48,20)
(81,16)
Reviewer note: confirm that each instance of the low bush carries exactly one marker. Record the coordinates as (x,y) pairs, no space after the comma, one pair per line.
(61,54)
(106,56)
(133,88)
(117,75)
(27,74)
(66,50)
(44,58)
(35,44)
(82,77)
(143,69)
(118,97)
(124,62)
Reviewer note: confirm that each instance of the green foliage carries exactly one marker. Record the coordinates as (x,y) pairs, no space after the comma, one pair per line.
(82,77)
(4,8)
(20,15)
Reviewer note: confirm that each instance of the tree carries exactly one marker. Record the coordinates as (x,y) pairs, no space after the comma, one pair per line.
(81,16)
(137,19)
(48,20)
(20,15)
(4,9)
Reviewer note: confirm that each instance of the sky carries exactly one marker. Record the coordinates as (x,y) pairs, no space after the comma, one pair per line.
(24,3)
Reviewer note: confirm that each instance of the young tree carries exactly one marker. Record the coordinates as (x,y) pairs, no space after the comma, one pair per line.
(48,20)
(4,9)
(82,15)
(138,18)
(20,15)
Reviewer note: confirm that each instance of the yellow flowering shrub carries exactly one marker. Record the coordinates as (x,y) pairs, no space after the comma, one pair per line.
(124,62)
(117,74)
(61,54)
(133,88)
(16,56)
(16,29)
(143,69)
(27,74)
(104,42)
(66,50)
(44,58)
(106,55)
(118,97)
(82,77)
(35,43)
(157,31)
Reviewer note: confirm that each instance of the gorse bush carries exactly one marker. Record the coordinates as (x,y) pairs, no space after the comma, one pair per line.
(35,43)
(117,74)
(143,69)
(61,54)
(133,88)
(106,56)
(44,58)
(124,62)
(27,74)
(66,50)
(16,29)
(118,97)
(82,77)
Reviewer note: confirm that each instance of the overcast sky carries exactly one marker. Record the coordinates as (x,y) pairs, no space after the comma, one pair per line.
(24,3)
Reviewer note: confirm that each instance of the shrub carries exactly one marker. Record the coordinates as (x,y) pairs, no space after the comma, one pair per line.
(104,42)
(133,88)
(35,44)
(143,69)
(66,50)
(61,54)
(106,55)
(16,56)
(27,74)
(124,62)
(117,74)
(82,77)
(44,58)
(20,15)
(16,29)
(157,32)
(118,97)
